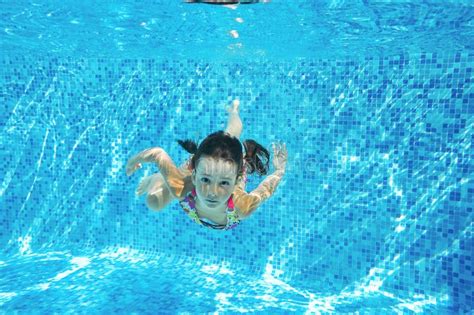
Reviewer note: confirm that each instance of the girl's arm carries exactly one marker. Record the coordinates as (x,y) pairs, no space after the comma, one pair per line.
(247,203)
(172,175)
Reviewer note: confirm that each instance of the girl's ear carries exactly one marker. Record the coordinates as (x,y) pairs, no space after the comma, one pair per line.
(238,179)
(193,177)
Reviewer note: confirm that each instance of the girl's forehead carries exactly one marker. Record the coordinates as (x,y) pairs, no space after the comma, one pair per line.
(216,167)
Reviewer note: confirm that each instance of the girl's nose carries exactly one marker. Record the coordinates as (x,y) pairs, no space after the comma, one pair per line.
(213,190)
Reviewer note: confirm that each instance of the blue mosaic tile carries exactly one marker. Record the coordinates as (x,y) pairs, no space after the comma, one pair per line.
(378,192)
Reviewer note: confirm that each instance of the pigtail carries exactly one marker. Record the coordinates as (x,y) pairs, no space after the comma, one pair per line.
(189,145)
(256,157)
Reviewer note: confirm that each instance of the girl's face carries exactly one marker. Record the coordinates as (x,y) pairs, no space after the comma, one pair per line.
(214,180)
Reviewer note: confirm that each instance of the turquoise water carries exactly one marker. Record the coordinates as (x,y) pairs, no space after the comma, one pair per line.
(374,215)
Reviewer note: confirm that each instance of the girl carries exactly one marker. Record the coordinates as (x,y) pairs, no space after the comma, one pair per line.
(210,186)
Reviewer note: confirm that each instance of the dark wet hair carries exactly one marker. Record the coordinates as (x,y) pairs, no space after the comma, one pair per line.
(222,145)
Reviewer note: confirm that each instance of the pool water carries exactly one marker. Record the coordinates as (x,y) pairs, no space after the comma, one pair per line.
(374,100)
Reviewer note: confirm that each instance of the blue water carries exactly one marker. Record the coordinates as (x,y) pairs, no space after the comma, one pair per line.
(374,215)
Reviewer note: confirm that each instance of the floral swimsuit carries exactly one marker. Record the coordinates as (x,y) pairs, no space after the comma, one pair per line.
(189,206)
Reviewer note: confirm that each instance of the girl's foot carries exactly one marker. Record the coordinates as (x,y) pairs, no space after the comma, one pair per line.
(234,108)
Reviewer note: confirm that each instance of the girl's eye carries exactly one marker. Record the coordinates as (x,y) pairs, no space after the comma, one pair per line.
(205,180)
(225,183)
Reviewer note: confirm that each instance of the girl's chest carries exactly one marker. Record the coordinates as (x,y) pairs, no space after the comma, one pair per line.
(217,217)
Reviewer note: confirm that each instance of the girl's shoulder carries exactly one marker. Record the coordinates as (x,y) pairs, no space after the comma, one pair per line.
(187,188)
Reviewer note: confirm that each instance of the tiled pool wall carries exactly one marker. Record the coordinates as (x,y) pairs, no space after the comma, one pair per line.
(378,192)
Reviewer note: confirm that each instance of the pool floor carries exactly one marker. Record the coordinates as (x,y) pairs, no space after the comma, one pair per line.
(124,281)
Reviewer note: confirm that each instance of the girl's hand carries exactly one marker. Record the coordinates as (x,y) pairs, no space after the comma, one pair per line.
(132,165)
(280,155)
